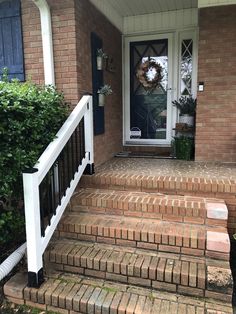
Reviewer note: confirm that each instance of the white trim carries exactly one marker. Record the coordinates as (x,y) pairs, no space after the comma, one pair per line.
(126,105)
(46,30)
(213,3)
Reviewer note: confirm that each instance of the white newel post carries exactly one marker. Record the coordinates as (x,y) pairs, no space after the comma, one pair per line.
(33,228)
(88,133)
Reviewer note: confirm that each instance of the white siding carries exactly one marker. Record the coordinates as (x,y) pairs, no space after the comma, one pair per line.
(160,21)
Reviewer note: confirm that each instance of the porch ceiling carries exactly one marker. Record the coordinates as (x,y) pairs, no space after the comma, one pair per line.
(137,7)
(119,11)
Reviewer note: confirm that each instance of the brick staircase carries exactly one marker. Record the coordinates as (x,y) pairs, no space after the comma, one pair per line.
(141,251)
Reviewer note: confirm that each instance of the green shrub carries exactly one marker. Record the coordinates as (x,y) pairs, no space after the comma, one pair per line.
(30,116)
(11,224)
(184,147)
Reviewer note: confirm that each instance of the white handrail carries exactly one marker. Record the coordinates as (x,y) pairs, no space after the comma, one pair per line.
(36,242)
(51,153)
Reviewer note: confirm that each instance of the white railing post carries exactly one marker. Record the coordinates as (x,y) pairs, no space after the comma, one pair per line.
(33,228)
(88,133)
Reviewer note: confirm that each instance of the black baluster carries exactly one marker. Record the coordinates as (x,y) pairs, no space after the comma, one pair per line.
(68,164)
(76,149)
(41,200)
(63,162)
(72,156)
(54,205)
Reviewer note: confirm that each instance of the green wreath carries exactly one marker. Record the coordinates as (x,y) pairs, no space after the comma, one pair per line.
(149,74)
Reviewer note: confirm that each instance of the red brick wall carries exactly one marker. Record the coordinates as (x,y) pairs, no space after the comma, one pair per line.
(32,42)
(216,112)
(64,42)
(89,19)
(72,23)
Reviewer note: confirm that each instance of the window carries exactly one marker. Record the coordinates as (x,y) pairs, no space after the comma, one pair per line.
(187,64)
(11,47)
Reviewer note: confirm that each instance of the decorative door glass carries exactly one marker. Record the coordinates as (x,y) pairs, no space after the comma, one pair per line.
(148,89)
(186,68)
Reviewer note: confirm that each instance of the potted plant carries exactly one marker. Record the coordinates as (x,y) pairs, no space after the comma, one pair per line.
(104,91)
(100,56)
(187,109)
(183,147)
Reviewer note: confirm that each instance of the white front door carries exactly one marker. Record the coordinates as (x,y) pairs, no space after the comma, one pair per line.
(148,86)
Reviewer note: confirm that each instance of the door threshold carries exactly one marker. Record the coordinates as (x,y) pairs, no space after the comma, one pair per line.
(152,155)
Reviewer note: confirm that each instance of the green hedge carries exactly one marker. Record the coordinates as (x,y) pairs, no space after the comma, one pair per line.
(30,116)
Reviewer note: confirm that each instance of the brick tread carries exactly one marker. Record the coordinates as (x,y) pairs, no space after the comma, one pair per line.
(138,232)
(70,294)
(135,266)
(151,205)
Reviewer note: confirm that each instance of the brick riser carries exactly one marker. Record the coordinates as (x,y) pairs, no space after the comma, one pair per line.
(147,234)
(211,212)
(162,184)
(169,272)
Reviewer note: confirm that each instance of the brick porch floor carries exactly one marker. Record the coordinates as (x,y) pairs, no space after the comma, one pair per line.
(170,168)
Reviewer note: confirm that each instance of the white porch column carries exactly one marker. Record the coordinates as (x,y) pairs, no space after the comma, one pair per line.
(46,29)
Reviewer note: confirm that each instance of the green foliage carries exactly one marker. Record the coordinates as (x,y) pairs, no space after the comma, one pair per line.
(30,116)
(7,308)
(184,147)
(11,224)
(105,89)
(186,105)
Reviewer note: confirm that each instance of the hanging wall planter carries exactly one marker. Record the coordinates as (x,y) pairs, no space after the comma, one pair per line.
(101,56)
(99,63)
(101,100)
(104,91)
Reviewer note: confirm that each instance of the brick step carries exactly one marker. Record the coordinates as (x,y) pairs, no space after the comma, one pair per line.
(70,294)
(151,234)
(194,210)
(137,180)
(164,271)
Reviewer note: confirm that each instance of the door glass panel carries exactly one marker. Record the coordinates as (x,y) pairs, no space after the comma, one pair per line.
(148,93)
(186,68)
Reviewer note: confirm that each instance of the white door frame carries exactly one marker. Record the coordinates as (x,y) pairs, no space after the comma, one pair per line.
(171,88)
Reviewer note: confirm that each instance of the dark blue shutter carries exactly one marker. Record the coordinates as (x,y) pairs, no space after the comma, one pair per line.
(11,47)
(97,77)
